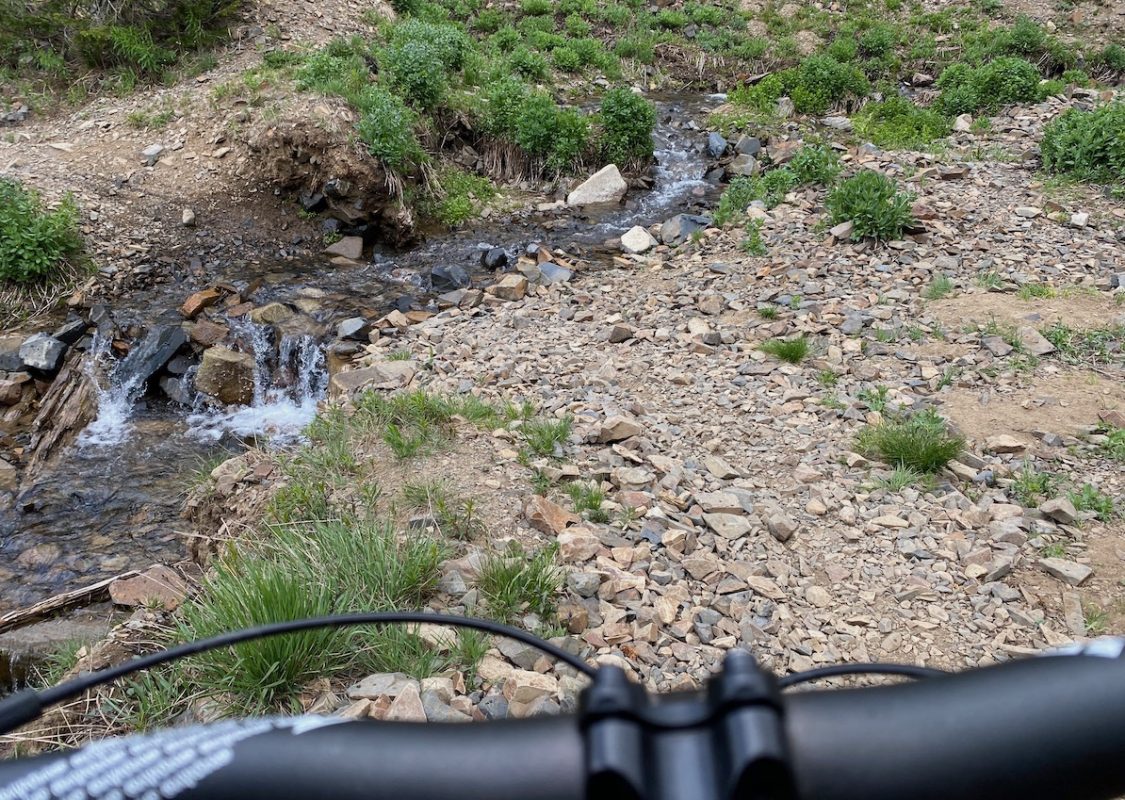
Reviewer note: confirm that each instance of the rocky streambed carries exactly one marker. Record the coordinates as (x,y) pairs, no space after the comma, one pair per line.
(109,412)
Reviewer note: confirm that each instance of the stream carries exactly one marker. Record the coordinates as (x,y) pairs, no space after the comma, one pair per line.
(112,503)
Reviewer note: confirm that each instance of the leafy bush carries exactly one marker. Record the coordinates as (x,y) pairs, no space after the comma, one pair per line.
(896,122)
(337,69)
(873,204)
(821,82)
(503,104)
(566,59)
(528,63)
(815,164)
(815,85)
(386,126)
(144,38)
(920,442)
(1089,145)
(558,136)
(626,126)
(34,242)
(449,42)
(416,72)
(966,89)
(1112,57)
(537,7)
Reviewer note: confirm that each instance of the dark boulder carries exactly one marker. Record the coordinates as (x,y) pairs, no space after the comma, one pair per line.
(153,352)
(43,353)
(494,258)
(446,279)
(679,228)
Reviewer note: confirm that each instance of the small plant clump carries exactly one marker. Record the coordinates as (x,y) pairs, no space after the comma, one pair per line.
(515,583)
(900,124)
(811,164)
(966,89)
(919,441)
(792,351)
(1090,498)
(873,204)
(1087,145)
(36,242)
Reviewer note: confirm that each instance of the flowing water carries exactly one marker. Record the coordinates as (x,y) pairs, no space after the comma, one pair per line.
(112,503)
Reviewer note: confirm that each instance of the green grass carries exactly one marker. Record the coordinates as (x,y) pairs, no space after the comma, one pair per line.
(919,441)
(1036,291)
(899,124)
(792,351)
(62,658)
(875,397)
(1087,144)
(588,499)
(546,437)
(1114,446)
(827,378)
(1030,487)
(1097,346)
(458,196)
(1053,550)
(901,477)
(941,286)
(990,279)
(455,516)
(1090,498)
(768,312)
(515,583)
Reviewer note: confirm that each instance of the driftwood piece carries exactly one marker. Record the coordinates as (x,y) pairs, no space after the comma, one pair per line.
(67,407)
(93,593)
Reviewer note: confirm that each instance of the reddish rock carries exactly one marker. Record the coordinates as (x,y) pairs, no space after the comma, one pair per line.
(199,301)
(157,584)
(546,516)
(207,333)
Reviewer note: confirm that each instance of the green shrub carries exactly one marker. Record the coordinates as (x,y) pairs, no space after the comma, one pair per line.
(896,122)
(878,40)
(738,195)
(386,126)
(815,85)
(843,49)
(34,242)
(566,59)
(337,69)
(1112,57)
(108,46)
(671,19)
(449,43)
(503,104)
(416,73)
(637,46)
(815,164)
(821,82)
(537,7)
(920,442)
(626,122)
(572,138)
(515,583)
(873,204)
(489,20)
(1089,145)
(528,63)
(577,26)
(966,89)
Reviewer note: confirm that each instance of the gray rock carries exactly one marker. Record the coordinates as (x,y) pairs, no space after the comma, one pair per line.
(356,328)
(744,165)
(584,584)
(839,123)
(42,352)
(10,360)
(1034,342)
(176,390)
(1060,509)
(154,351)
(604,186)
(71,332)
(381,684)
(437,710)
(637,240)
(151,154)
(782,527)
(522,655)
(1070,572)
(494,258)
(551,272)
(448,278)
(996,345)
(748,146)
(679,228)
(493,706)
(716,145)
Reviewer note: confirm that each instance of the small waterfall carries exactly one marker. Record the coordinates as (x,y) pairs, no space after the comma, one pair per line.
(289,382)
(115,400)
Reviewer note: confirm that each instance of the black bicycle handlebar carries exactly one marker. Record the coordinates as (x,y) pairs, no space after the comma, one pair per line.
(1040,729)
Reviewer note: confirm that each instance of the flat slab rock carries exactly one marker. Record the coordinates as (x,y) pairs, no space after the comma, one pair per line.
(1070,572)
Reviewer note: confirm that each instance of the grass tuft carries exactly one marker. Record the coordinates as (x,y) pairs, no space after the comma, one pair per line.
(919,441)
(792,351)
(515,583)
(545,437)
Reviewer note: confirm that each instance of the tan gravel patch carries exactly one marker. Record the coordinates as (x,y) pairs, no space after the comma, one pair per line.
(1062,402)
(1083,310)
